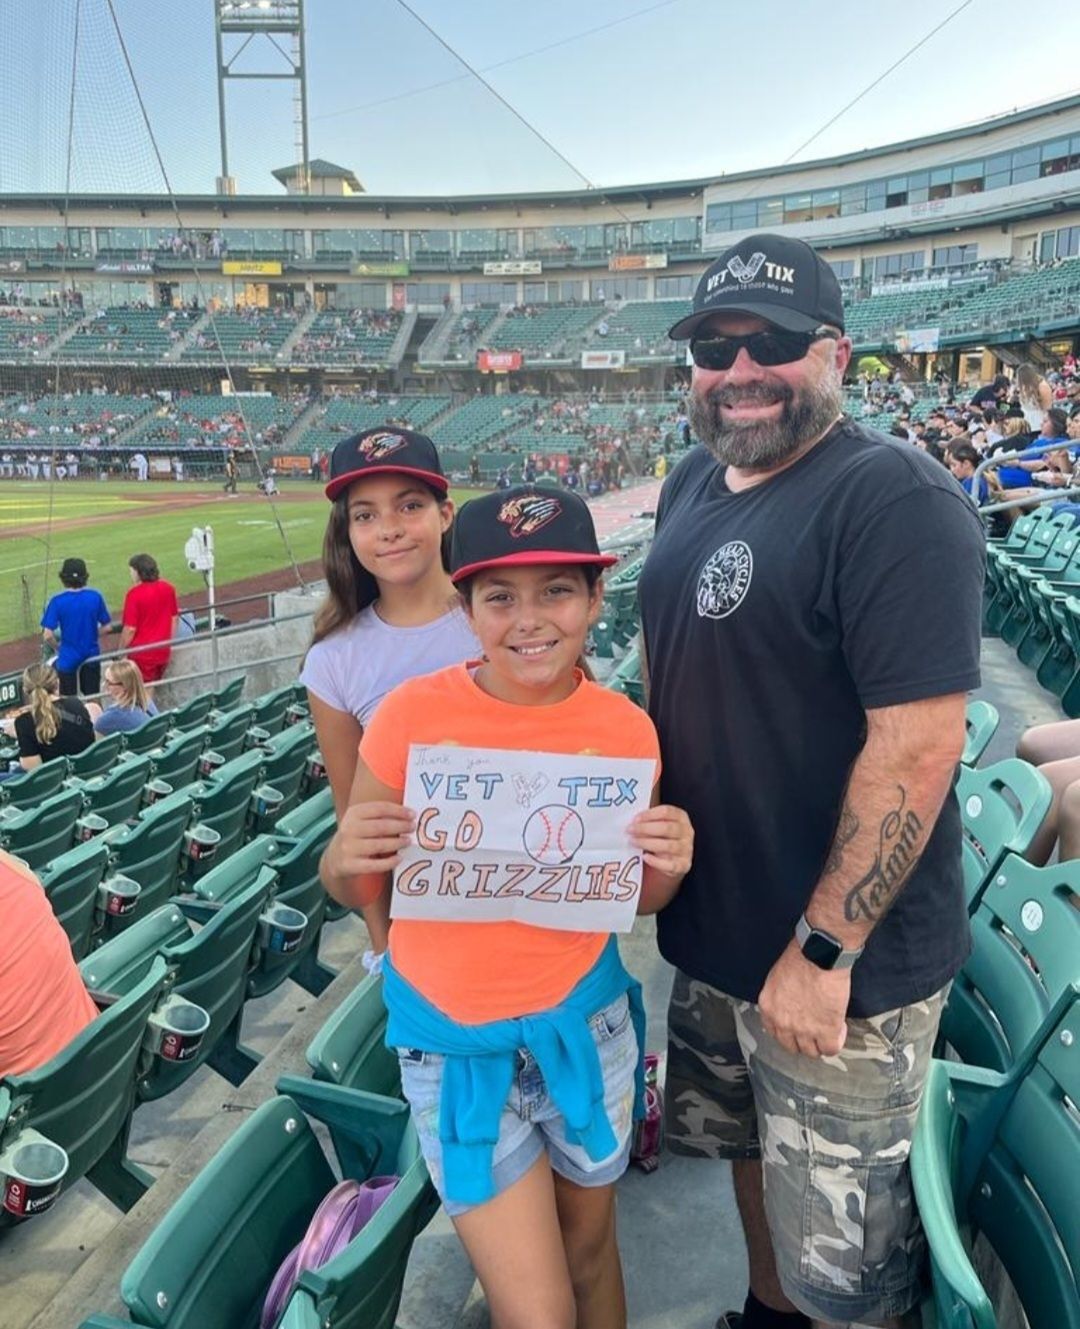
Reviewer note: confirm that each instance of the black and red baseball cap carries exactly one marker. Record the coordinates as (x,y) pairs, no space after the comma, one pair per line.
(385,450)
(524,525)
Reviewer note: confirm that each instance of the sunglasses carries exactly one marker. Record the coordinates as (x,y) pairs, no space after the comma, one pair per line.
(777,347)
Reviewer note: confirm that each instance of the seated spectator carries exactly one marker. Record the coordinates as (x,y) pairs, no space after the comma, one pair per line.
(51,726)
(128,705)
(43,1001)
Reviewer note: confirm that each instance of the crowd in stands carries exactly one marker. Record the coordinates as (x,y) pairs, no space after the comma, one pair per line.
(198,245)
(1024,415)
(349,336)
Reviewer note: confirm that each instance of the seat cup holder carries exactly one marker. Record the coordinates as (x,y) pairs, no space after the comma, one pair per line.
(156,789)
(266,801)
(200,843)
(281,929)
(176,1029)
(89,825)
(32,1171)
(118,895)
(209,762)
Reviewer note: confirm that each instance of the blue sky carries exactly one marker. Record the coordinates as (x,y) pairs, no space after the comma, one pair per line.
(666,90)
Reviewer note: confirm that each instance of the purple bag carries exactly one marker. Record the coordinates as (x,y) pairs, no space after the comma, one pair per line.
(648,1138)
(341,1216)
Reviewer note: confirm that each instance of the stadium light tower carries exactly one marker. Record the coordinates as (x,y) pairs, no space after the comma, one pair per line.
(264,22)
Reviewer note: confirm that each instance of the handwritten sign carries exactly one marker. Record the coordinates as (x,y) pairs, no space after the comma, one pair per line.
(529,836)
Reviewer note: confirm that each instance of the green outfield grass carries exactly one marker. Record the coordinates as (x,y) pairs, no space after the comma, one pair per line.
(246,539)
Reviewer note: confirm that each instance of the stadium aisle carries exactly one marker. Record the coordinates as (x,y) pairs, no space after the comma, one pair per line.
(614,510)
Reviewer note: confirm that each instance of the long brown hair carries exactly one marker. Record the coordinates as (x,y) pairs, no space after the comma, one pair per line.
(351,588)
(41,685)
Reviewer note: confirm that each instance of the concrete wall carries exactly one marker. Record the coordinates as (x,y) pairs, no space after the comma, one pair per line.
(255,652)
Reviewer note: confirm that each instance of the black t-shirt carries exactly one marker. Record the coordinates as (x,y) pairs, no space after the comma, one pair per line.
(773,618)
(987,395)
(75,734)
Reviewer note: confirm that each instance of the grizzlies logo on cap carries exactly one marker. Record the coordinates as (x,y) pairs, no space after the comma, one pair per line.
(528,514)
(377,446)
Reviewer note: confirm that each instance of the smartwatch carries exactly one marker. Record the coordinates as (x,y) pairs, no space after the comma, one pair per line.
(822,948)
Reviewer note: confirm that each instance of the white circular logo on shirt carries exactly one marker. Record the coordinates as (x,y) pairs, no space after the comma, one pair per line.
(724,580)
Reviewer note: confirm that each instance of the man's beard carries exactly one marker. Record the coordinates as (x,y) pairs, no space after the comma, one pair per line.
(761,445)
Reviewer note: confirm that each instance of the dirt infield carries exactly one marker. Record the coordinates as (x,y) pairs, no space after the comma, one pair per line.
(174,501)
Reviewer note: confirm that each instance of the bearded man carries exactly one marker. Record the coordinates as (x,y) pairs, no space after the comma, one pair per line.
(811,611)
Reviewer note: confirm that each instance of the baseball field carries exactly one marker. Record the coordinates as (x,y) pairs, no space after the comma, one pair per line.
(105,523)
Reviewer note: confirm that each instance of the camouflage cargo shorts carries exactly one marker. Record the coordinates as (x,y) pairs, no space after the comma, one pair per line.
(833,1134)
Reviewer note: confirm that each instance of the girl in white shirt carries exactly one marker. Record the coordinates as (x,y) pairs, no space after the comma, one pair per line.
(391,612)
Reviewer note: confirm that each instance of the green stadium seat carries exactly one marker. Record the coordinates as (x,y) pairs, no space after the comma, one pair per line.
(33,788)
(284,764)
(211,1259)
(1067,613)
(1049,643)
(1051,552)
(208,967)
(980,723)
(298,886)
(71,883)
(98,759)
(177,760)
(150,735)
(149,851)
(37,835)
(1038,535)
(602,637)
(306,815)
(225,698)
(268,712)
(1026,952)
(1001,809)
(627,677)
(226,734)
(222,803)
(82,1100)
(117,797)
(999,1155)
(193,713)
(350,1049)
(228,877)
(295,864)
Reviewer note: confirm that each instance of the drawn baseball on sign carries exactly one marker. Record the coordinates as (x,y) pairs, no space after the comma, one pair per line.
(553,834)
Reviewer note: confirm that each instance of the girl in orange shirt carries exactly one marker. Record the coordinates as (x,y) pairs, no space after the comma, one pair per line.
(518,1051)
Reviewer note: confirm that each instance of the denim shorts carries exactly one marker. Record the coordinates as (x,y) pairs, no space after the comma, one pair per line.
(833,1134)
(531,1124)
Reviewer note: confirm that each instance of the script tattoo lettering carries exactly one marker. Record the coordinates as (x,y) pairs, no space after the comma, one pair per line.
(846,830)
(897,854)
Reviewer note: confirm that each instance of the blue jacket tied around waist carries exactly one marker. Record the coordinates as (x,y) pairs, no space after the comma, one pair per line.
(480,1060)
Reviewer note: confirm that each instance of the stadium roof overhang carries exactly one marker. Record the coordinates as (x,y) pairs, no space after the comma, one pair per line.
(385,204)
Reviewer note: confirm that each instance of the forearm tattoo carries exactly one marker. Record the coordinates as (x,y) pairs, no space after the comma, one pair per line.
(898,851)
(846,830)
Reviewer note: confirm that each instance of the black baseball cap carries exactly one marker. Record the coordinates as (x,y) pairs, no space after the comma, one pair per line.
(73,572)
(382,451)
(524,525)
(773,277)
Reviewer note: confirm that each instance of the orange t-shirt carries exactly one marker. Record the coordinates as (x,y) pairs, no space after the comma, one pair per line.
(43,1001)
(475,972)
